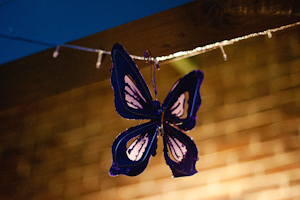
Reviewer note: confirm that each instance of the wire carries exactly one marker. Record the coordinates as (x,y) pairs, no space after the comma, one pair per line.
(177,55)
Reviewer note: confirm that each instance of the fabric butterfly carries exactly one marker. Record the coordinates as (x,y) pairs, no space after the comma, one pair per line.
(131,150)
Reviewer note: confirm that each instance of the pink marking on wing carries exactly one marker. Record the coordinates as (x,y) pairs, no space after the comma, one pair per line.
(133,87)
(177,148)
(174,86)
(129,90)
(133,103)
(178,107)
(136,150)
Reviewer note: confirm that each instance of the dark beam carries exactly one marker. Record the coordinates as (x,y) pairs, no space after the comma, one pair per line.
(182,28)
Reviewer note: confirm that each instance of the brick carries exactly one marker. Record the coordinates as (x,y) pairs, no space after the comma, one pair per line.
(247,135)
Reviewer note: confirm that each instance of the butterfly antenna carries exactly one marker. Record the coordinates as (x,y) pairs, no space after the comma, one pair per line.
(147,57)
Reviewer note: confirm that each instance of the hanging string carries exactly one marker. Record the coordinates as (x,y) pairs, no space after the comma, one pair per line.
(147,58)
(174,56)
(153,78)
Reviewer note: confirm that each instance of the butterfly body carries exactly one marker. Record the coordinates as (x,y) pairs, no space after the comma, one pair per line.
(132,148)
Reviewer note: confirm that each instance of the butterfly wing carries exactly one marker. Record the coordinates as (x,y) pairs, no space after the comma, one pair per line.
(180,152)
(183,101)
(132,96)
(132,149)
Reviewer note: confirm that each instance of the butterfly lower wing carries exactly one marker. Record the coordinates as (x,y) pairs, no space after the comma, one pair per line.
(184,93)
(132,96)
(180,152)
(132,149)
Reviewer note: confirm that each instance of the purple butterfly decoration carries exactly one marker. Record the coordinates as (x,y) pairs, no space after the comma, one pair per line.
(131,150)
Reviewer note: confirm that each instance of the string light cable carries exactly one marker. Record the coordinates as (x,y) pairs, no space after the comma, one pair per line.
(156,60)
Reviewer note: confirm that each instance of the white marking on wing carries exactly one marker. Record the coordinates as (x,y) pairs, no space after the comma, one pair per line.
(178,107)
(136,150)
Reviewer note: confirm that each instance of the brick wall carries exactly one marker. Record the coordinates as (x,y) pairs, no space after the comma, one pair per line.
(247,134)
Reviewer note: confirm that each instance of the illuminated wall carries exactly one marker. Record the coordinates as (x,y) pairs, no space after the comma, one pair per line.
(247,133)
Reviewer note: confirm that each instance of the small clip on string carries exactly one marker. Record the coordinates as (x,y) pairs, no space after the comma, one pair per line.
(55,53)
(223,52)
(269,33)
(99,60)
(155,62)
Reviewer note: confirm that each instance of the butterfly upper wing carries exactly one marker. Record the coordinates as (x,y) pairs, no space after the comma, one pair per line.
(185,91)
(132,96)
(132,149)
(180,152)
